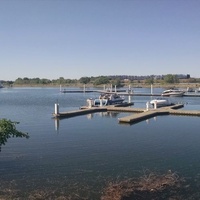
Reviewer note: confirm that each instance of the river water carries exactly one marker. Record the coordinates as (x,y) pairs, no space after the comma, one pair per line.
(78,156)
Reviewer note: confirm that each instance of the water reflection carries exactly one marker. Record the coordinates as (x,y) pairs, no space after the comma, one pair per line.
(104,114)
(89,116)
(109,114)
(57,124)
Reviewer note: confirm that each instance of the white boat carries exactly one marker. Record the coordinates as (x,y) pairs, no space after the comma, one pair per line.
(160,102)
(190,89)
(110,99)
(197,90)
(173,92)
(106,99)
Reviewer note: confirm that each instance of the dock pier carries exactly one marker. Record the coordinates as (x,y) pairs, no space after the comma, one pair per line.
(140,114)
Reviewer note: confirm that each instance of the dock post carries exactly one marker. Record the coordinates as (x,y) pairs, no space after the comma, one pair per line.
(129,98)
(84,88)
(56,108)
(147,106)
(129,90)
(155,105)
(151,89)
(90,102)
(101,103)
(115,88)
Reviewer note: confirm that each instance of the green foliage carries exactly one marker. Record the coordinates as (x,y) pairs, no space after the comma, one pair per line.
(169,78)
(8,130)
(84,80)
(117,82)
(61,80)
(101,80)
(43,81)
(18,81)
(149,81)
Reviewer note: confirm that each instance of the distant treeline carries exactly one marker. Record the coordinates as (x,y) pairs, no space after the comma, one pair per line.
(119,81)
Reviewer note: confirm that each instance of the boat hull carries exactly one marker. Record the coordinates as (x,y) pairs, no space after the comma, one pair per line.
(172,93)
(160,102)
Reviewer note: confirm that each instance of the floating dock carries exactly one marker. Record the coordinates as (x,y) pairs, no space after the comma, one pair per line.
(88,91)
(124,93)
(173,110)
(79,112)
(140,114)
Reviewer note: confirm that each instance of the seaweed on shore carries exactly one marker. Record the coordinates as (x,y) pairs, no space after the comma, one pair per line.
(150,186)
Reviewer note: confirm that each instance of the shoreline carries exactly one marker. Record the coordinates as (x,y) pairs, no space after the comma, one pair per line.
(179,85)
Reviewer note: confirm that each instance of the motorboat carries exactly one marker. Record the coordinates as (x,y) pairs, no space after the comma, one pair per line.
(106,99)
(173,92)
(197,90)
(160,102)
(110,99)
(189,89)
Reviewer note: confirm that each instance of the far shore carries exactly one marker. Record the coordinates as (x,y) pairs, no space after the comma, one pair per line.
(142,85)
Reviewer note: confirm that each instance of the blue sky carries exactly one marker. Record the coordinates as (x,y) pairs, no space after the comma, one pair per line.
(77,38)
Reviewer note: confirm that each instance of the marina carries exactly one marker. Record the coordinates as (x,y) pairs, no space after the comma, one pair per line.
(131,92)
(84,151)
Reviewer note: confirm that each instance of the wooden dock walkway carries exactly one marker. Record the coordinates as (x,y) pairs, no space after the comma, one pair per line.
(173,110)
(185,112)
(79,112)
(140,114)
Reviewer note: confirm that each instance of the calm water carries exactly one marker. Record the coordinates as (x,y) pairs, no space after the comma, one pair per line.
(80,155)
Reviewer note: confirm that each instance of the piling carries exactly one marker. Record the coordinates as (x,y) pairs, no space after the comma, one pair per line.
(147,105)
(155,105)
(56,108)
(84,88)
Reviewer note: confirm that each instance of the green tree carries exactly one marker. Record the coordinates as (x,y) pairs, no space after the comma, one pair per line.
(149,81)
(8,130)
(101,80)
(169,78)
(35,81)
(19,81)
(26,80)
(117,82)
(44,81)
(84,80)
(61,80)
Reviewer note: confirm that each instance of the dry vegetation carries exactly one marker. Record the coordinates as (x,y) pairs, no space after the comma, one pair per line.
(150,186)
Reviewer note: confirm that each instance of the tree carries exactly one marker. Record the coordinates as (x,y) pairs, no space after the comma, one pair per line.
(117,82)
(19,81)
(149,81)
(84,80)
(101,80)
(61,80)
(169,78)
(8,130)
